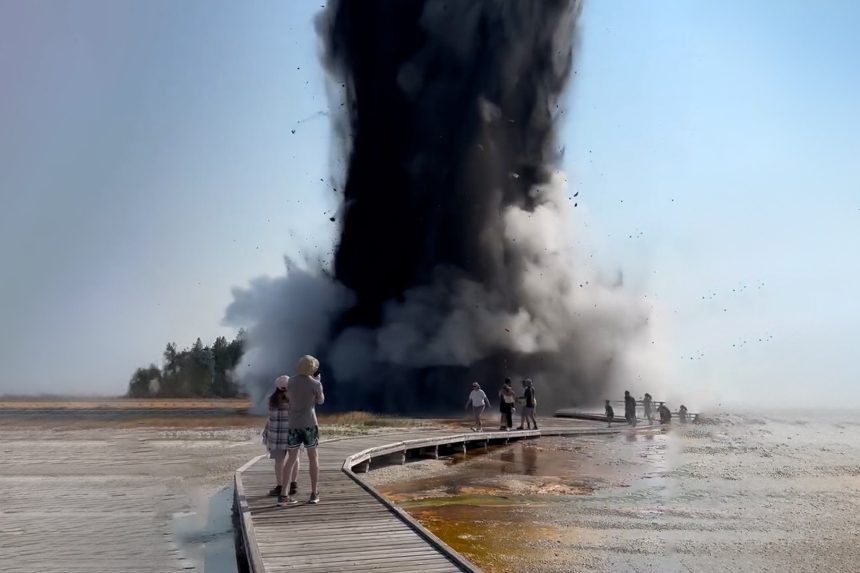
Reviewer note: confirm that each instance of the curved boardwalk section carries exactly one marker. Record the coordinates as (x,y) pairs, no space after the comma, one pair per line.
(354,528)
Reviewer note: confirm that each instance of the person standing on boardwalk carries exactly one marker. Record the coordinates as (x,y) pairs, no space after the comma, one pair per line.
(304,393)
(665,414)
(629,408)
(610,413)
(275,436)
(527,418)
(682,414)
(646,404)
(506,405)
(477,401)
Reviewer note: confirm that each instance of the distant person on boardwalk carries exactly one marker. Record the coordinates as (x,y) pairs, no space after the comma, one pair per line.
(682,414)
(477,401)
(610,413)
(665,414)
(507,397)
(275,436)
(629,408)
(304,393)
(646,405)
(527,419)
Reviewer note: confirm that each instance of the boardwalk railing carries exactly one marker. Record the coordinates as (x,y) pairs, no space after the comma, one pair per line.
(240,506)
(578,414)
(421,445)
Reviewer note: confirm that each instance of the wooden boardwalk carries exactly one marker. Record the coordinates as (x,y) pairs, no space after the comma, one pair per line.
(354,528)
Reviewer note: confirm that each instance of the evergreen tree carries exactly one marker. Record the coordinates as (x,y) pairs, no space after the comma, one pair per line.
(145,382)
(200,371)
(170,359)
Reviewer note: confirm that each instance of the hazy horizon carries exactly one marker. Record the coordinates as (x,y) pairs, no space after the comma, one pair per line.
(155,155)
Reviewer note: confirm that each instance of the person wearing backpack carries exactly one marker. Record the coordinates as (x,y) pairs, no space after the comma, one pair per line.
(506,405)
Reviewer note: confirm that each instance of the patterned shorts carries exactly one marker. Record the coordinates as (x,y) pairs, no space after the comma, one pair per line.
(307,437)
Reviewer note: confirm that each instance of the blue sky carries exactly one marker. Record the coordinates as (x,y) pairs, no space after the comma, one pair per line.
(148,165)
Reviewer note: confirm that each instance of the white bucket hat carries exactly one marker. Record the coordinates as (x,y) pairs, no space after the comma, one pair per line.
(281,382)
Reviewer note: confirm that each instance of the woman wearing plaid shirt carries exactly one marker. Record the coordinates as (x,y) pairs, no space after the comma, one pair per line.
(275,435)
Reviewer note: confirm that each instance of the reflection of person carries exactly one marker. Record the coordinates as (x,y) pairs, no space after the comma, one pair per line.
(275,435)
(304,392)
(629,408)
(682,414)
(506,405)
(610,413)
(527,418)
(665,414)
(478,401)
(646,404)
(530,460)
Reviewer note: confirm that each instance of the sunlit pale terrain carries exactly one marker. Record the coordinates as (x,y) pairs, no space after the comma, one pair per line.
(85,492)
(743,493)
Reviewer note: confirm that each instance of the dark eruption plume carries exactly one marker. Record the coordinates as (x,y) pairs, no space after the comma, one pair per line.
(453,262)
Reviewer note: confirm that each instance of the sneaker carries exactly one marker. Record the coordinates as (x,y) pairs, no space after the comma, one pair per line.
(275,491)
(315,498)
(285,500)
(520,428)
(294,488)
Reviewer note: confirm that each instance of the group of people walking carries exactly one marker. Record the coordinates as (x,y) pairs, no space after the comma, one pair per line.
(647,405)
(508,399)
(292,426)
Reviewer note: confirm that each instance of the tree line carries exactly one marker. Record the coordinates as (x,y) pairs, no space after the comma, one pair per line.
(199,371)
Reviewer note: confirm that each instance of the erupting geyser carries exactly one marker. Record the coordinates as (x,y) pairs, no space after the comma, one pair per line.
(454,261)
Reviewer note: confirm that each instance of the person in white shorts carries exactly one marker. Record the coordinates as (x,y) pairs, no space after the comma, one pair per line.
(477,401)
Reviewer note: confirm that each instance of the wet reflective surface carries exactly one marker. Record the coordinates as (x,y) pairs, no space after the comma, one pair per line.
(772,493)
(120,492)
